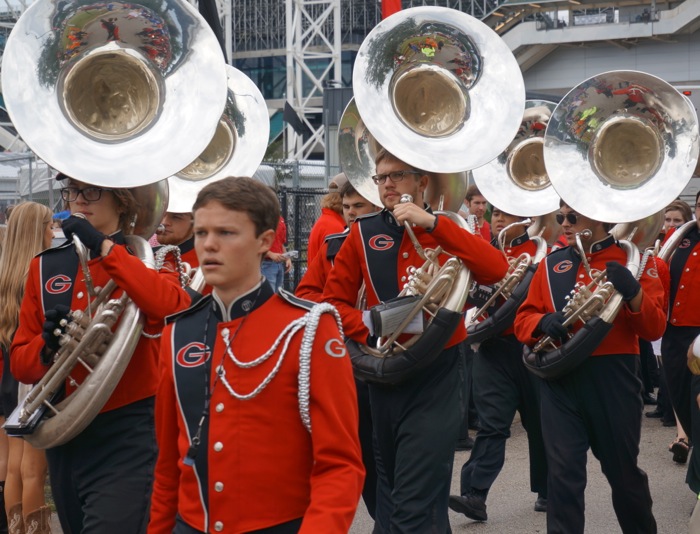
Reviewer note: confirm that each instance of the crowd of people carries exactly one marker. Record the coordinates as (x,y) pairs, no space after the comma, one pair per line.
(238,410)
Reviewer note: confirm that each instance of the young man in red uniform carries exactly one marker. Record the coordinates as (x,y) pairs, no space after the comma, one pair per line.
(101,480)
(501,385)
(256,413)
(314,280)
(417,421)
(682,328)
(598,404)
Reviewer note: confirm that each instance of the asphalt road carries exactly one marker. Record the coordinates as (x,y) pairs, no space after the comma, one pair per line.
(510,503)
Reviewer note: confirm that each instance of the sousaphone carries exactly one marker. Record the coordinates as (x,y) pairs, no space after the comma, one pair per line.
(619,147)
(442,92)
(117,94)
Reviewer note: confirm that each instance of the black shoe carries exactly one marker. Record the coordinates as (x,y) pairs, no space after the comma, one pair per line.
(649,399)
(656,414)
(541,504)
(680,450)
(471,505)
(465,444)
(672,422)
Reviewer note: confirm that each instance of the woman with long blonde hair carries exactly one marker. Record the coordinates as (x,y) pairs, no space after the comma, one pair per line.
(29,231)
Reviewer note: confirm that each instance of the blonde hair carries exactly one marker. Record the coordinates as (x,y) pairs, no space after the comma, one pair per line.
(24,239)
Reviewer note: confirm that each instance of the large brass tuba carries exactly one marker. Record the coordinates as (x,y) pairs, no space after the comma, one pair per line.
(516,182)
(619,147)
(98,91)
(426,81)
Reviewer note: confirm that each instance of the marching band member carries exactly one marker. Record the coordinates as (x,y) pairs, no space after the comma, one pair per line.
(311,288)
(502,385)
(177,230)
(101,480)
(256,426)
(598,404)
(682,328)
(416,422)
(311,285)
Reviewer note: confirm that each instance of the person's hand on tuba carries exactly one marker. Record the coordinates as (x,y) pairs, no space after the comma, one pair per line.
(56,321)
(622,280)
(552,324)
(86,232)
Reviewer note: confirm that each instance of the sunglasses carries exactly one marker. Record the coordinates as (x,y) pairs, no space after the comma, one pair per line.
(571,217)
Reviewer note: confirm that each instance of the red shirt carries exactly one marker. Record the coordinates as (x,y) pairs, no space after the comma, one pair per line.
(328,223)
(551,282)
(257,465)
(156,293)
(280,237)
(374,253)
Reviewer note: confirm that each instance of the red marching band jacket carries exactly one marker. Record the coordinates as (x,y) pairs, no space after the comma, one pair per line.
(311,286)
(257,464)
(55,278)
(377,242)
(562,269)
(684,309)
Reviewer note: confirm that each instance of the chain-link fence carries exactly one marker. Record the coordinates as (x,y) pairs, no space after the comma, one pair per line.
(300,187)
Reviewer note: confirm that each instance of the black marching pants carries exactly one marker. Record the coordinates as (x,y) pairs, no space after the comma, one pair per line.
(102,479)
(501,386)
(415,426)
(598,405)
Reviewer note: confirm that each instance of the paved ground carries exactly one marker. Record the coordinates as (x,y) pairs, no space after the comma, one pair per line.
(510,502)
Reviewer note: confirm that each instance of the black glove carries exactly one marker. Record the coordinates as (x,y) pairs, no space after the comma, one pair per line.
(552,324)
(50,335)
(622,280)
(85,231)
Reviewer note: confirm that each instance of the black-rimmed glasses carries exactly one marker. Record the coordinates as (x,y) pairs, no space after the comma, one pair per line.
(395,176)
(571,217)
(91,194)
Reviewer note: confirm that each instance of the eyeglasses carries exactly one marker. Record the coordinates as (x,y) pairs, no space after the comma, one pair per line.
(571,217)
(91,194)
(395,176)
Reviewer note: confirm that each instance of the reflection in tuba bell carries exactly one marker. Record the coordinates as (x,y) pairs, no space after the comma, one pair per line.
(516,182)
(426,80)
(618,148)
(115,85)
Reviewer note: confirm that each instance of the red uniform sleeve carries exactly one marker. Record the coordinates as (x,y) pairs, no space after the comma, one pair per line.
(328,223)
(167,474)
(343,284)
(311,285)
(486,263)
(156,293)
(27,343)
(535,306)
(338,473)
(650,321)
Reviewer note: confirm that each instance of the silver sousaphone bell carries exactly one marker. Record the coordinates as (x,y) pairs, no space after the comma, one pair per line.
(439,89)
(237,148)
(123,92)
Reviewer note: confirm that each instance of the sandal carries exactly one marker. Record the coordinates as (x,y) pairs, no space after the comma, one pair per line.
(680,450)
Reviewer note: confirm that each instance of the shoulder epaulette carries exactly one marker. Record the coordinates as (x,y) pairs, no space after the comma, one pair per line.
(295,301)
(368,215)
(340,235)
(201,303)
(62,246)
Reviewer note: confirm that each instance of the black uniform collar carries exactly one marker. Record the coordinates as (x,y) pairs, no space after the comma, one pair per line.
(243,305)
(389,216)
(604,243)
(186,245)
(523,238)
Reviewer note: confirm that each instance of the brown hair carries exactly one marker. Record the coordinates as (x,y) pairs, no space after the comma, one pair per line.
(246,195)
(472,191)
(347,190)
(24,239)
(384,154)
(333,201)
